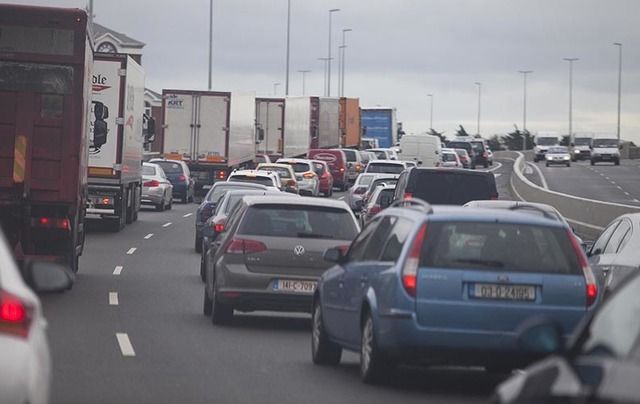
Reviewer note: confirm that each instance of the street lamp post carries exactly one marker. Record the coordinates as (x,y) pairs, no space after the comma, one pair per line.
(619,45)
(333,10)
(431,112)
(210,44)
(325,60)
(479,103)
(524,112)
(343,48)
(275,88)
(571,60)
(304,72)
(286,82)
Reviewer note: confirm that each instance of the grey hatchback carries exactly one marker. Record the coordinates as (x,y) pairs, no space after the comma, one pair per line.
(270,255)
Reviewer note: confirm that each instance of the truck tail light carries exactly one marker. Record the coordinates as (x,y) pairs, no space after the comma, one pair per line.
(15,315)
(51,223)
(410,268)
(591,287)
(241,246)
(151,184)
(221,175)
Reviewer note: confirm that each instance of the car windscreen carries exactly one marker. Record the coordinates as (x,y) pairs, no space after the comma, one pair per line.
(605,143)
(382,181)
(451,188)
(298,167)
(546,141)
(501,247)
(351,154)
(255,179)
(298,221)
(462,152)
(148,170)
(283,172)
(385,168)
(582,141)
(169,167)
(478,146)
(448,157)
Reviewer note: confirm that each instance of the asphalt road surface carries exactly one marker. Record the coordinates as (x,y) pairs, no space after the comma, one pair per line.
(132,331)
(603,182)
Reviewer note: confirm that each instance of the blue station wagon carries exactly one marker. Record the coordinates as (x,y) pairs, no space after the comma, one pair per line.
(448,286)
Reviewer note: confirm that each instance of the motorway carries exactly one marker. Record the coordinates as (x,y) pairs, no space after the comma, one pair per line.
(604,182)
(132,330)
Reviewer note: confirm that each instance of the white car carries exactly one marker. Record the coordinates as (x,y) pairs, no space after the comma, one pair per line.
(450,159)
(558,155)
(605,150)
(25,374)
(386,167)
(384,154)
(308,180)
(267,178)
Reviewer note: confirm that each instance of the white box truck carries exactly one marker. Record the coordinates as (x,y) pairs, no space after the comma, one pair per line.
(115,160)
(213,132)
(270,118)
(310,123)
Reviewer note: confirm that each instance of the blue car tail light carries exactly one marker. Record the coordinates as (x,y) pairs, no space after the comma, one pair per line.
(411,264)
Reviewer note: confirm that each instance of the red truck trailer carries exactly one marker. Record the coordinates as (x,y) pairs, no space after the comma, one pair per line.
(46,59)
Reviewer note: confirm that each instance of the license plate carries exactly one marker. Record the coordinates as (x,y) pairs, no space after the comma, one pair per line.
(504,292)
(295,286)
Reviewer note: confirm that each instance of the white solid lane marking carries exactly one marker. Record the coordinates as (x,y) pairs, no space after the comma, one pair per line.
(113,299)
(125,344)
(187,215)
(496,175)
(497,167)
(148,236)
(131,250)
(167,224)
(607,178)
(542,179)
(528,170)
(117,270)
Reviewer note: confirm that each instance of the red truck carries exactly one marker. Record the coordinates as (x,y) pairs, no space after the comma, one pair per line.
(46,57)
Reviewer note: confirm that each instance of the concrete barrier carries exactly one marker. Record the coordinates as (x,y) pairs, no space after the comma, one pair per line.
(588,216)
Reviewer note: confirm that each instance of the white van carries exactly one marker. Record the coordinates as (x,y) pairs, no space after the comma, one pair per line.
(424,149)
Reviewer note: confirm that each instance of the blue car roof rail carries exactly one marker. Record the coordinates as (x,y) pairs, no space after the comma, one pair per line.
(416,204)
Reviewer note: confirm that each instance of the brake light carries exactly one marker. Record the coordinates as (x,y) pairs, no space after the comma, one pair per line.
(375,209)
(359,190)
(341,169)
(408,195)
(591,288)
(291,183)
(221,175)
(51,223)
(106,201)
(219,227)
(358,167)
(15,317)
(410,269)
(151,184)
(309,175)
(240,246)
(182,178)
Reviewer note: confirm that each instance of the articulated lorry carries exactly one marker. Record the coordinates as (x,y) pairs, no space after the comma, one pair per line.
(46,60)
(213,132)
(270,119)
(115,160)
(380,123)
(310,123)
(350,129)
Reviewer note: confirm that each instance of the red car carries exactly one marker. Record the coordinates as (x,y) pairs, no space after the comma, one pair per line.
(337,162)
(326,179)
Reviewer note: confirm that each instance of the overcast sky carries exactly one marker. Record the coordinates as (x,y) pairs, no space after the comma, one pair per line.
(401,50)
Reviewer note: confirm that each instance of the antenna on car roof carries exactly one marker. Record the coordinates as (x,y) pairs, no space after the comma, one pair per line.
(417,204)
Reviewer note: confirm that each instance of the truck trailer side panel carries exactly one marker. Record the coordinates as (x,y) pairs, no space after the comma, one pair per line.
(241,146)
(329,123)
(297,126)
(350,122)
(270,117)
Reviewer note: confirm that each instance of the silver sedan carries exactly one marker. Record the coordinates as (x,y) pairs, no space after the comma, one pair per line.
(156,188)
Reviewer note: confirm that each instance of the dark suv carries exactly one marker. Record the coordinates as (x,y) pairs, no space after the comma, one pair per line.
(441,186)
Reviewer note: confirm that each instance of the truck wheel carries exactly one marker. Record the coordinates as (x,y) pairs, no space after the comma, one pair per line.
(138,203)
(129,205)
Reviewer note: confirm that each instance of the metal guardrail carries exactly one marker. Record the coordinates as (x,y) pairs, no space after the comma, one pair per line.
(588,216)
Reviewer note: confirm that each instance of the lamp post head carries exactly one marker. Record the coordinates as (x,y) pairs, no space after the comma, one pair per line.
(333,10)
(617,44)
(347,30)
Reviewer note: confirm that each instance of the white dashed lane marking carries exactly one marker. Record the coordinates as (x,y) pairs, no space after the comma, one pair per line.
(187,215)
(125,344)
(117,270)
(167,224)
(113,299)
(131,250)
(148,236)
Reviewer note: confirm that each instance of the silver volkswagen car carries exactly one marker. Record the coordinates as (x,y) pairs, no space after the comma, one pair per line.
(270,255)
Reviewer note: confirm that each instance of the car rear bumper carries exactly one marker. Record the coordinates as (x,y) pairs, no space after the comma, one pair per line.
(152,196)
(244,300)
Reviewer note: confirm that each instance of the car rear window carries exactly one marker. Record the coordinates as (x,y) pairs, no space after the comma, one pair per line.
(255,179)
(382,181)
(448,157)
(148,170)
(385,197)
(298,221)
(502,247)
(298,167)
(451,188)
(460,145)
(283,172)
(318,168)
(365,180)
(169,167)
(351,154)
(385,168)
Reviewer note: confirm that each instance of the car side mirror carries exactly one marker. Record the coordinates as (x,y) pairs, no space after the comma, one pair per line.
(335,255)
(597,251)
(586,247)
(541,336)
(47,277)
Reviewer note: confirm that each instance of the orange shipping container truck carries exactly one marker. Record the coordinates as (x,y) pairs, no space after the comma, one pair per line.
(350,122)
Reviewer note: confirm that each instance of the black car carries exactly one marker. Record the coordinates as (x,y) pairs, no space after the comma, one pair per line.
(180,177)
(210,201)
(442,186)
(600,365)
(482,155)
